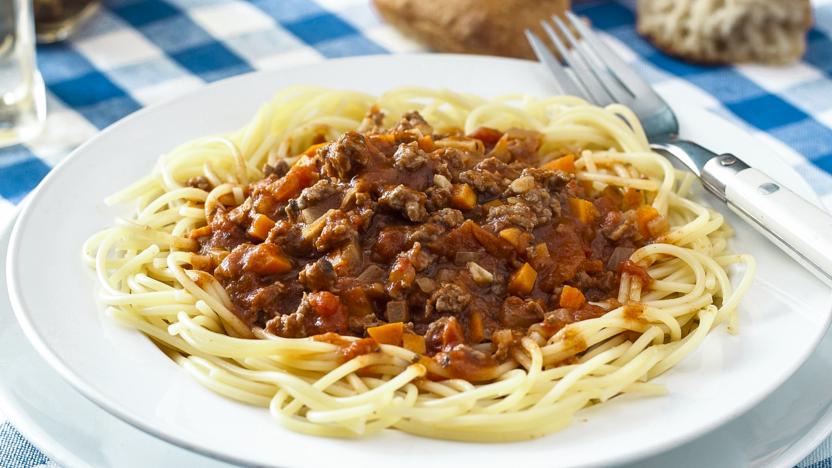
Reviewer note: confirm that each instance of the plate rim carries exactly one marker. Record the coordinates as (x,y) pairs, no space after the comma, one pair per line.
(53,358)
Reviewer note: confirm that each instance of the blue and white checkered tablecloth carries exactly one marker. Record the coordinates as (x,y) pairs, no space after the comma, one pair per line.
(137,52)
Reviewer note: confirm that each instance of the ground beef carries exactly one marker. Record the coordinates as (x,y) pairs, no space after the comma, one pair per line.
(359,324)
(490,176)
(618,225)
(443,333)
(595,286)
(345,156)
(520,314)
(425,233)
(200,182)
(289,325)
(278,169)
(448,299)
(541,203)
(318,276)
(420,258)
(512,214)
(409,156)
(551,180)
(520,143)
(322,190)
(336,232)
(448,217)
(450,162)
(504,340)
(409,202)
(437,198)
(373,122)
(413,121)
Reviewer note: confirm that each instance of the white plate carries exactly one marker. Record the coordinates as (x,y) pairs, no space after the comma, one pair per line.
(71,430)
(783,318)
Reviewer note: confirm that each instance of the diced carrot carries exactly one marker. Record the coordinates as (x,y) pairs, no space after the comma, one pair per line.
(592,266)
(463,197)
(389,333)
(564,163)
(492,204)
(387,138)
(518,238)
(645,214)
(658,226)
(426,143)
(452,334)
(200,232)
(511,235)
(475,328)
(266,259)
(587,185)
(522,281)
(260,226)
(301,175)
(541,251)
(633,198)
(314,149)
(572,298)
(415,343)
(584,210)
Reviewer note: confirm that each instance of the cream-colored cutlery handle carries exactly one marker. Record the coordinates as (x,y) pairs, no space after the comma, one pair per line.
(801,229)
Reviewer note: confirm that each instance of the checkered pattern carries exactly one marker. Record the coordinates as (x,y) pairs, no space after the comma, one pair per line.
(137,52)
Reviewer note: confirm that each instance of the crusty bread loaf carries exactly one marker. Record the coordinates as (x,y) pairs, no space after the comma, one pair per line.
(492,27)
(727,31)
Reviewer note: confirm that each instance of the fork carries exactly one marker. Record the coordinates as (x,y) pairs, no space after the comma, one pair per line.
(589,69)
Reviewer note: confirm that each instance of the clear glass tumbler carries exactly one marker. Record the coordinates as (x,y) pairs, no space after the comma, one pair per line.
(22,95)
(56,19)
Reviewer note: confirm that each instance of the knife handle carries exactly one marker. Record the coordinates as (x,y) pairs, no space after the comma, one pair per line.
(798,227)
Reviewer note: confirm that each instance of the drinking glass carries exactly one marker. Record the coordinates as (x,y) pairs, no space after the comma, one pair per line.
(22,96)
(56,19)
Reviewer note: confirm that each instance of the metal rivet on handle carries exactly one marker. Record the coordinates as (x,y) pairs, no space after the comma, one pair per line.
(727,160)
(768,188)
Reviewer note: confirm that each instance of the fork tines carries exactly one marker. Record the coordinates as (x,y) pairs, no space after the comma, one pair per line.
(587,67)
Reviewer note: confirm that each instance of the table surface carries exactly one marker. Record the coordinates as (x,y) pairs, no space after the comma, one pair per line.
(137,52)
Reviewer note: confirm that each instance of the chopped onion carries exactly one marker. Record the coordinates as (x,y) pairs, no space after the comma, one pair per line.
(426,284)
(620,254)
(313,229)
(349,197)
(312,213)
(372,274)
(397,312)
(481,276)
(522,184)
(462,258)
(441,181)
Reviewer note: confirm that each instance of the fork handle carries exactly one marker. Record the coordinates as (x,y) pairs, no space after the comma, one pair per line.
(798,227)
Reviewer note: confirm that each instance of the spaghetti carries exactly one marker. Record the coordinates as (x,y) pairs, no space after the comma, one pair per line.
(183,272)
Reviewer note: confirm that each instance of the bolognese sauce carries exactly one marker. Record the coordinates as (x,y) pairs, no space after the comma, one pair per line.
(450,245)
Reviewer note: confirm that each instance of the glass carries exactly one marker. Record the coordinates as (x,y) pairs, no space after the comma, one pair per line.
(22,97)
(56,19)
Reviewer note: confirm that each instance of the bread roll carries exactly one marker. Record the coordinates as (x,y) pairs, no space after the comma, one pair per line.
(727,31)
(491,27)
